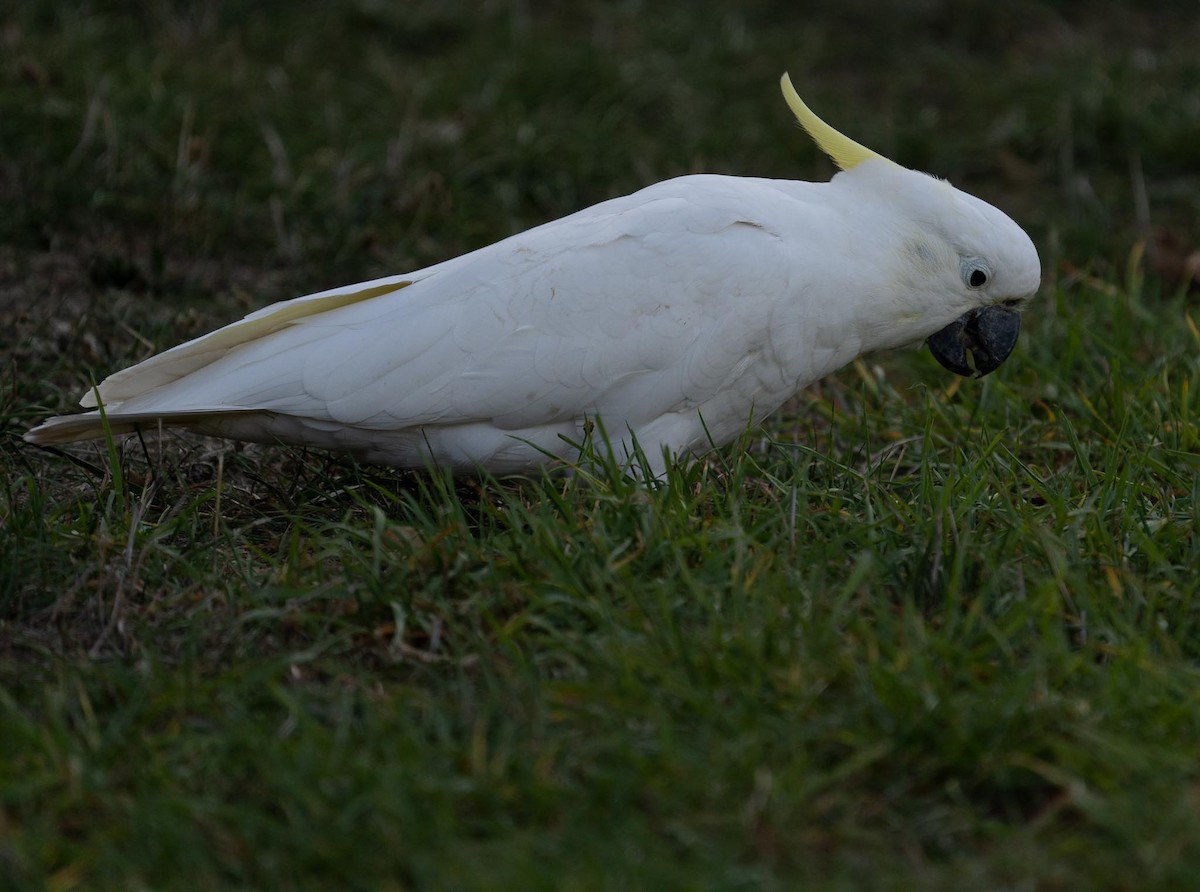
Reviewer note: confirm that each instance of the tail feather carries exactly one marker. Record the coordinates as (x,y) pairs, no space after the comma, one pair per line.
(181,361)
(92,425)
(186,358)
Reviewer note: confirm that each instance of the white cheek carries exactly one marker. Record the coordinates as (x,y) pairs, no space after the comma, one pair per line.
(922,256)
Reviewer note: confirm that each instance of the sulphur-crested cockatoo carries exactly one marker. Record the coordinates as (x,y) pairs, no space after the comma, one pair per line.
(676,316)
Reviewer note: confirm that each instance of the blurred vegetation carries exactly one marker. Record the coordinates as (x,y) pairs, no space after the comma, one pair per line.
(400,133)
(914,634)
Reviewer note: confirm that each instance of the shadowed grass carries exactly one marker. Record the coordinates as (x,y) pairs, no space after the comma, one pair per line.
(915,633)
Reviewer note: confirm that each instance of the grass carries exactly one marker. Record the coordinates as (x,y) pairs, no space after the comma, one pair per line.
(915,633)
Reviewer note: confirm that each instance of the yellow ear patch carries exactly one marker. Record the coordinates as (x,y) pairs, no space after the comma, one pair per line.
(844,152)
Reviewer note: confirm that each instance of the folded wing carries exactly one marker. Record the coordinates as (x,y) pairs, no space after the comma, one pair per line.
(633,309)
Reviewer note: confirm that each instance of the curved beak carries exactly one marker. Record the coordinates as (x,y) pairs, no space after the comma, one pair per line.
(987,334)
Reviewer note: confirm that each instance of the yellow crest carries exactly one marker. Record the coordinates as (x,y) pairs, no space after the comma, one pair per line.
(844,151)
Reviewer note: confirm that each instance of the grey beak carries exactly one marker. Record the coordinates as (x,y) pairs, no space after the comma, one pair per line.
(987,333)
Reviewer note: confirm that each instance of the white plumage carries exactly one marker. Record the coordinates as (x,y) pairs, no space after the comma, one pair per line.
(678,315)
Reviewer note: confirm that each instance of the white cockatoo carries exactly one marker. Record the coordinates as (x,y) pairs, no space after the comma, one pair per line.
(675,316)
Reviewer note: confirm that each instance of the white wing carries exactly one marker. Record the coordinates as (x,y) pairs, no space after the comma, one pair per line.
(637,310)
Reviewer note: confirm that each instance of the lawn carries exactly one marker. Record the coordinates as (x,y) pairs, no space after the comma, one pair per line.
(916,632)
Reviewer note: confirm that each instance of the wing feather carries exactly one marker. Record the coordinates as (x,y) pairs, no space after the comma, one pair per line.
(636,308)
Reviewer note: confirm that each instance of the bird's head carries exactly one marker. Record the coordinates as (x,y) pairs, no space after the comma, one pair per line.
(964,269)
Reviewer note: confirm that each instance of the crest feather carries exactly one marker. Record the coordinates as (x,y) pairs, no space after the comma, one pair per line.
(844,151)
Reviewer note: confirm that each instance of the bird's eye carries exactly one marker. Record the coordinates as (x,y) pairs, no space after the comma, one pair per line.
(977,279)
